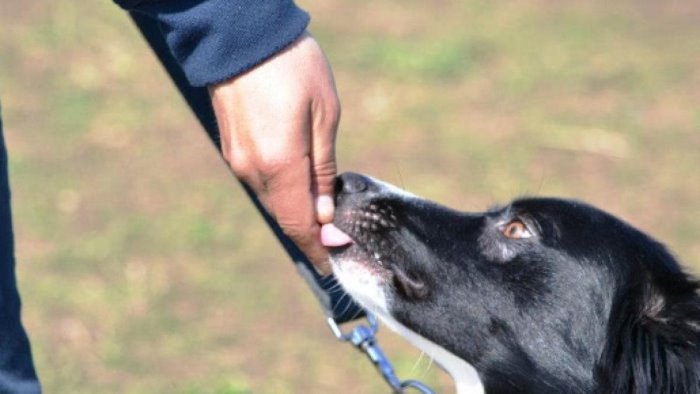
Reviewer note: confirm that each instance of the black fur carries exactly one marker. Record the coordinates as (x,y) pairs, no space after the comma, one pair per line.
(587,304)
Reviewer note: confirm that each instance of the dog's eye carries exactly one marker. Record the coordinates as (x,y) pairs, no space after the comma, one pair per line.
(516,229)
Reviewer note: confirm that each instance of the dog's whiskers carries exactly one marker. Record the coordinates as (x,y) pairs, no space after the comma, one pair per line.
(417,363)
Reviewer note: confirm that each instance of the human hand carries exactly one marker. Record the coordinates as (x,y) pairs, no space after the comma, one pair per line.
(278,124)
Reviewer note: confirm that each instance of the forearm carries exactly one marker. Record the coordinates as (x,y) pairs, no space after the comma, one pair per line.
(215,40)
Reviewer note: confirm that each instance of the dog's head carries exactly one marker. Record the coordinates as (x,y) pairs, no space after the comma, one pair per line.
(531,294)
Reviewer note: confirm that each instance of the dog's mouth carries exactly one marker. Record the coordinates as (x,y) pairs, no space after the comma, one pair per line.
(360,253)
(360,232)
(333,237)
(365,239)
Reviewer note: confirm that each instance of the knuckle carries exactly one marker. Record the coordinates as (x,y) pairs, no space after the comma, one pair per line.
(325,168)
(265,164)
(241,166)
(324,175)
(332,122)
(337,109)
(270,167)
(326,113)
(338,114)
(333,105)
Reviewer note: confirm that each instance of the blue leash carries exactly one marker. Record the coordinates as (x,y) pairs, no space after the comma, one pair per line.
(364,338)
(338,307)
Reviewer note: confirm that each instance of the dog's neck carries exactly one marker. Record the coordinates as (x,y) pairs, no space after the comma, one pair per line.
(464,375)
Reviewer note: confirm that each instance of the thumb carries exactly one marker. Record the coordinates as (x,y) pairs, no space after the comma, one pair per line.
(324,169)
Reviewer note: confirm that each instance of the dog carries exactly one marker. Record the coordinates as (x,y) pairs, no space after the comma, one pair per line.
(543,295)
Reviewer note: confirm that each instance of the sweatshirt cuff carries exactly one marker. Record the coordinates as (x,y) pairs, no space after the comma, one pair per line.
(215,40)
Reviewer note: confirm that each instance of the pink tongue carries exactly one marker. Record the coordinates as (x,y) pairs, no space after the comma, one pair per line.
(332,236)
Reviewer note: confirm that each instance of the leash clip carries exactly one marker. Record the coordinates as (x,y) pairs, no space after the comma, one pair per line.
(364,339)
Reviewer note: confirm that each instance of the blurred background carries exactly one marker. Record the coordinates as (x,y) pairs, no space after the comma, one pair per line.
(145,270)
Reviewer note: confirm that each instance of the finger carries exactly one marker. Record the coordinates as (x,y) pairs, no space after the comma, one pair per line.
(323,163)
(287,196)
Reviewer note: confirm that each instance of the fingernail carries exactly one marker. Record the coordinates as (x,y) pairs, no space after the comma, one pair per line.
(324,208)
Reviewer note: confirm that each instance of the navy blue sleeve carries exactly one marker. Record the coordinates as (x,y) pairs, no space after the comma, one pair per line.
(214,40)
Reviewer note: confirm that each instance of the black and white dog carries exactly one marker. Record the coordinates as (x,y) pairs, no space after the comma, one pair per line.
(541,296)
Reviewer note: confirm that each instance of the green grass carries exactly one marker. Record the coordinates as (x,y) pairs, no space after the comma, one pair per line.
(144,269)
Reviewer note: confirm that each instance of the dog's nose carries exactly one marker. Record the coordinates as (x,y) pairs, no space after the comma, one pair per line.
(351,183)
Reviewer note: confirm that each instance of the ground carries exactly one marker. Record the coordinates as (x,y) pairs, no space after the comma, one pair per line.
(143,268)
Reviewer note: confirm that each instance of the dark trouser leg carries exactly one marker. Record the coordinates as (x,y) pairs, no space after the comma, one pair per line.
(17,373)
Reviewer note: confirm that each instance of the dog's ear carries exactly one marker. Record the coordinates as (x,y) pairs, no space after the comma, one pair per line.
(653,341)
